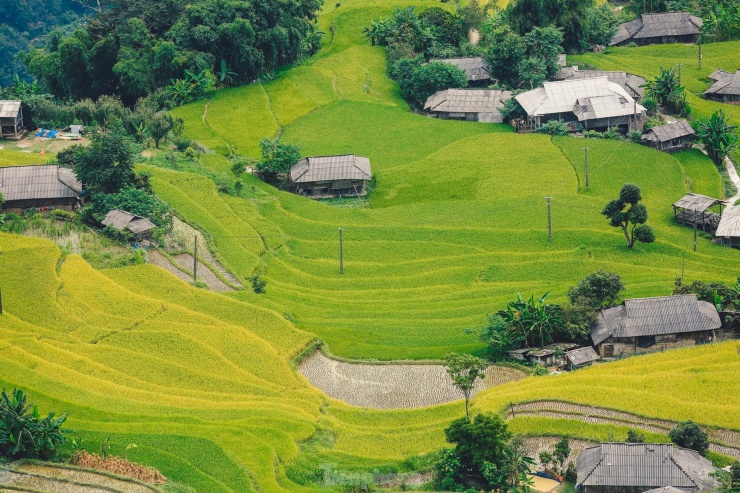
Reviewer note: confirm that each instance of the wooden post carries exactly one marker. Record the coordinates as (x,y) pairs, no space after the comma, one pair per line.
(549,219)
(195,260)
(1,302)
(585,157)
(695,214)
(341,252)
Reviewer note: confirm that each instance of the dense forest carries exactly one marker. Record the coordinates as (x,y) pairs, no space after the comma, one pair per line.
(24,23)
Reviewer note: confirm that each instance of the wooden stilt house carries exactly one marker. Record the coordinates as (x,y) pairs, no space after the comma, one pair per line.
(11,120)
(693,209)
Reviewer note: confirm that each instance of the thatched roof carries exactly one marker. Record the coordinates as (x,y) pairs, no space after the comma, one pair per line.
(122,220)
(729,223)
(474,67)
(38,182)
(649,465)
(728,84)
(9,109)
(696,202)
(330,168)
(669,131)
(655,316)
(669,24)
(581,356)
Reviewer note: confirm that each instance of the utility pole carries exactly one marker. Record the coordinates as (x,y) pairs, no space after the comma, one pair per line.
(1,302)
(699,53)
(679,72)
(341,252)
(549,219)
(695,230)
(195,260)
(585,157)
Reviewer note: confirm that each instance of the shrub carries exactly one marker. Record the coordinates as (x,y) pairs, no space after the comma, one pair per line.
(613,133)
(600,289)
(689,435)
(258,284)
(571,475)
(650,105)
(634,436)
(554,127)
(593,134)
(634,136)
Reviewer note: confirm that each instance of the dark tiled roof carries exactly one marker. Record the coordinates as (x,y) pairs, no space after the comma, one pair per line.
(696,202)
(474,67)
(38,182)
(467,100)
(581,356)
(669,131)
(121,220)
(729,84)
(9,109)
(645,465)
(330,168)
(669,24)
(655,316)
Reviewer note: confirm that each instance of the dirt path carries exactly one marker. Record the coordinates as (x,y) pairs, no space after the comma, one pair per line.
(205,274)
(156,258)
(184,233)
(734,178)
(392,386)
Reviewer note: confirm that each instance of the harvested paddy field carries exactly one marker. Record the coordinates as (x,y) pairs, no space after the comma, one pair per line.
(106,482)
(393,386)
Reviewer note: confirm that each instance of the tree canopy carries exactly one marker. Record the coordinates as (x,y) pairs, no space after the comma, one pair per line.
(105,166)
(465,370)
(627,213)
(718,136)
(688,434)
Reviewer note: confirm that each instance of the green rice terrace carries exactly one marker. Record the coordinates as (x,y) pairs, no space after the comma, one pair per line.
(205,384)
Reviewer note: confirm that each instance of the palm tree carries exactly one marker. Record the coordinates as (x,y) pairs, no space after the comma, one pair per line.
(718,136)
(534,321)
(667,90)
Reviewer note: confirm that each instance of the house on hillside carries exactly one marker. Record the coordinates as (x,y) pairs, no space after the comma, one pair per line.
(330,176)
(728,229)
(726,87)
(11,120)
(694,209)
(474,67)
(550,355)
(632,84)
(650,324)
(639,467)
(671,137)
(39,187)
(473,105)
(580,358)
(139,227)
(668,27)
(584,104)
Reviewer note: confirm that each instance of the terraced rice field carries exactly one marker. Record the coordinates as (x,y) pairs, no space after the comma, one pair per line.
(395,386)
(62,479)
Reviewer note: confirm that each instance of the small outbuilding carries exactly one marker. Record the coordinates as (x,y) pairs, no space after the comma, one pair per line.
(140,227)
(39,187)
(552,354)
(643,325)
(331,176)
(728,229)
(671,137)
(668,27)
(473,105)
(519,354)
(474,67)
(641,467)
(726,88)
(11,120)
(694,209)
(580,358)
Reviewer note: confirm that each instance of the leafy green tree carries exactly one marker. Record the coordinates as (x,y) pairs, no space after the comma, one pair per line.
(130,199)
(735,474)
(688,434)
(465,370)
(600,289)
(546,459)
(277,158)
(159,126)
(532,72)
(667,90)
(718,136)
(504,55)
(430,78)
(106,165)
(562,451)
(447,28)
(543,43)
(627,213)
(535,322)
(480,445)
(578,322)
(24,433)
(513,111)
(519,464)
(498,337)
(601,25)
(634,436)
(567,15)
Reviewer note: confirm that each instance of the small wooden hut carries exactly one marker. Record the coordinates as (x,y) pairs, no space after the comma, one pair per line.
(331,176)
(693,208)
(580,358)
(140,227)
(475,68)
(671,137)
(662,28)
(473,105)
(728,229)
(39,187)
(11,120)
(726,88)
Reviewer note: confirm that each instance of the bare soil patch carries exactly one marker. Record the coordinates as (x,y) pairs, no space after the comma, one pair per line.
(205,274)
(183,234)
(156,258)
(393,386)
(41,483)
(84,476)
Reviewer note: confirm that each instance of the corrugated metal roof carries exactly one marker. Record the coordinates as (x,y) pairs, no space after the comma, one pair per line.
(602,107)
(669,24)
(474,67)
(666,489)
(581,356)
(561,97)
(719,74)
(655,316)
(120,220)
(696,202)
(669,131)
(630,82)
(9,109)
(729,84)
(729,223)
(38,182)
(650,465)
(330,168)
(467,101)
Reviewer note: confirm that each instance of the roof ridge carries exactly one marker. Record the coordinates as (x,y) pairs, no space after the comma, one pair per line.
(673,459)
